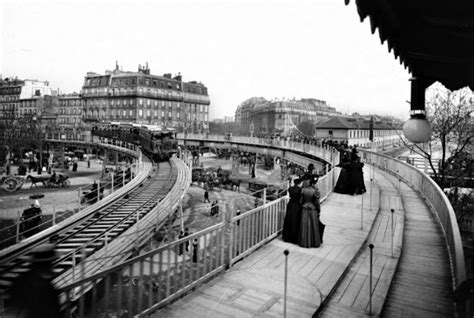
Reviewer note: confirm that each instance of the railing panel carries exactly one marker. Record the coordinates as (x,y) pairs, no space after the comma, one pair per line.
(440,206)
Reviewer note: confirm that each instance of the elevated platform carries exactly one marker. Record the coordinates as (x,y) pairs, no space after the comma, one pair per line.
(334,279)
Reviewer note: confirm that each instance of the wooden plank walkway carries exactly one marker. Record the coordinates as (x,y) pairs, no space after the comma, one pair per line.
(422,284)
(416,278)
(254,286)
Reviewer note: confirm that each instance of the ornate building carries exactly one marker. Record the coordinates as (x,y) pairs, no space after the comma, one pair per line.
(140,97)
(281,117)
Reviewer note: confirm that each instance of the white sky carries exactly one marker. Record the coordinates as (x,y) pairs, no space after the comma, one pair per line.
(238,49)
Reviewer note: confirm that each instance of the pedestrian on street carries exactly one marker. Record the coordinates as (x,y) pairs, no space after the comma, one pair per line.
(206,197)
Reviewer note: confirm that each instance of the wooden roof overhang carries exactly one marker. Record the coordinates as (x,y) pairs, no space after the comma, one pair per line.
(433,39)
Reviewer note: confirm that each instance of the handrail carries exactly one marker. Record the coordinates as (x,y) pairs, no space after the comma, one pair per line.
(439,203)
(326,153)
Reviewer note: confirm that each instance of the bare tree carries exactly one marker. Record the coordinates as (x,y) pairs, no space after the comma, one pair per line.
(450,115)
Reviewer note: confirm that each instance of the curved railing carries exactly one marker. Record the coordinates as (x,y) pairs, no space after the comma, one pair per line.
(439,203)
(328,154)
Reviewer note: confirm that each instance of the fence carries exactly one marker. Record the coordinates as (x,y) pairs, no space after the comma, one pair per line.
(440,206)
(150,281)
(90,194)
(326,153)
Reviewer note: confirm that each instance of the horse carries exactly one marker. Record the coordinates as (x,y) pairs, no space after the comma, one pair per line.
(35,180)
(233,183)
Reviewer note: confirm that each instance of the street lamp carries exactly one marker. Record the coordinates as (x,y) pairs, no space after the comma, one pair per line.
(417,129)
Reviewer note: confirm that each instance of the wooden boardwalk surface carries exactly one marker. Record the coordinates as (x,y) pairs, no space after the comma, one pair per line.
(336,273)
(422,284)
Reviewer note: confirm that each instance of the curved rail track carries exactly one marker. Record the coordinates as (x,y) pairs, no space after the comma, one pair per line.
(96,231)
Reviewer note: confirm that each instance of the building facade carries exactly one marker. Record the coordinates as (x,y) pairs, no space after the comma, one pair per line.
(142,98)
(357,131)
(282,116)
(21,98)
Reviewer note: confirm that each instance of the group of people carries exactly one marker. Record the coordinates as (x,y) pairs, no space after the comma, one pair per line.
(351,177)
(302,225)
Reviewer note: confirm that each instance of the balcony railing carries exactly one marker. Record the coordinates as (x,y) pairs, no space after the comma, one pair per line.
(438,202)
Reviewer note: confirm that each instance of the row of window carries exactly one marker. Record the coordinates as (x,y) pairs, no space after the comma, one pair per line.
(10,90)
(148,103)
(70,102)
(143,90)
(70,111)
(9,98)
(366,133)
(69,120)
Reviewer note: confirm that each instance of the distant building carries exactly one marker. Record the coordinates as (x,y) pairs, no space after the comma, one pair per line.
(70,111)
(357,131)
(228,119)
(244,111)
(20,98)
(140,97)
(281,116)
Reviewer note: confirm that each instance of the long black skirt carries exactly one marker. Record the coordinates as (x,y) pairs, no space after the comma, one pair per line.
(291,225)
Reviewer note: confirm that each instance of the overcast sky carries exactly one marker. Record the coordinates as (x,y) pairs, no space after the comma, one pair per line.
(238,49)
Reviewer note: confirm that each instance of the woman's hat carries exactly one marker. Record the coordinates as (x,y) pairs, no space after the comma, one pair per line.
(36,204)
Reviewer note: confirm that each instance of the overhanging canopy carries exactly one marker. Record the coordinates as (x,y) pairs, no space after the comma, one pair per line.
(434,39)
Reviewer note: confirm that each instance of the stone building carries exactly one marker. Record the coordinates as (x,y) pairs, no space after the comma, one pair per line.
(143,98)
(360,131)
(282,116)
(20,98)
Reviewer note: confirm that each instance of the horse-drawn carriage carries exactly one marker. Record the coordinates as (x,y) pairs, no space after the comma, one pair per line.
(12,183)
(50,181)
(215,178)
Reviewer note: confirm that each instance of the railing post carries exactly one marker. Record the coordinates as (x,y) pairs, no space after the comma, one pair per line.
(264,196)
(371,190)
(123,175)
(286,252)
(18,223)
(79,198)
(371,247)
(112,177)
(393,211)
(73,266)
(362,212)
(98,190)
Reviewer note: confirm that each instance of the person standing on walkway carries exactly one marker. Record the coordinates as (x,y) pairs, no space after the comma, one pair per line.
(206,197)
(291,225)
(310,208)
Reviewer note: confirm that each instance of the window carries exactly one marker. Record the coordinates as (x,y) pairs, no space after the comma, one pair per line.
(37,92)
(140,113)
(124,113)
(148,113)
(330,132)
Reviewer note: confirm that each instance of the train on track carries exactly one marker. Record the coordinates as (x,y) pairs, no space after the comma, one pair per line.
(158,142)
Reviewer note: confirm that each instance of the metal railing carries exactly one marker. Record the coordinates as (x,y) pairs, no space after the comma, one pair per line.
(439,204)
(328,154)
(150,281)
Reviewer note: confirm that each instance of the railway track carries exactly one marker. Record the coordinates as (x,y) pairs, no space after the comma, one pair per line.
(95,232)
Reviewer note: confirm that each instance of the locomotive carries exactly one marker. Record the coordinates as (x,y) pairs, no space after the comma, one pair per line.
(158,142)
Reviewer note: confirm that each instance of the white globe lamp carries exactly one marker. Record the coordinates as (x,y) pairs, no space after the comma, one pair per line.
(417,129)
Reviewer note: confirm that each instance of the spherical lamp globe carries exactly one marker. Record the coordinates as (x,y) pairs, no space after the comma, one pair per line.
(417,129)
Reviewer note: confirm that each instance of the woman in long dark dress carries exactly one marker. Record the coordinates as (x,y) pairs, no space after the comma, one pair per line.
(291,225)
(357,177)
(342,184)
(310,209)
